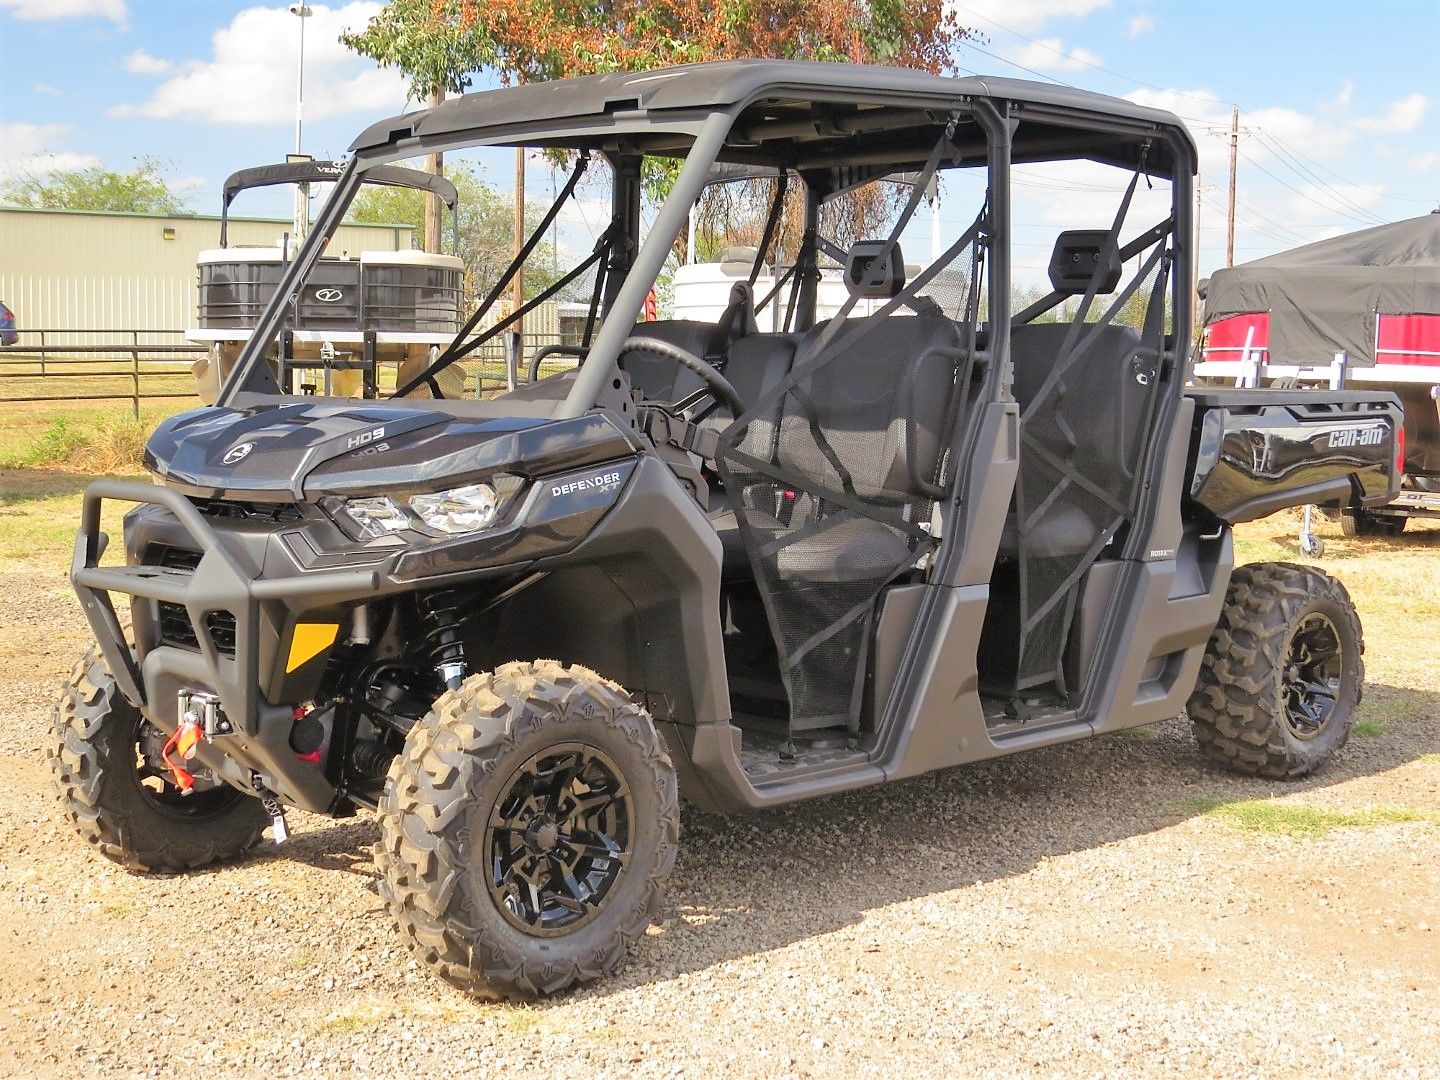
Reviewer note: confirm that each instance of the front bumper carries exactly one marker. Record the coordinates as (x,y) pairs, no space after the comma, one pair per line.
(259,743)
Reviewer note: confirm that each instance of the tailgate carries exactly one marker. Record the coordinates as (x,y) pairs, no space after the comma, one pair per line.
(1253,452)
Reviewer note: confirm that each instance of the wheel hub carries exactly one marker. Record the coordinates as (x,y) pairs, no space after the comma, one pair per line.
(542,835)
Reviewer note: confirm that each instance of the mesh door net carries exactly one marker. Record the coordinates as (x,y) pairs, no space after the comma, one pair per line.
(1087,395)
(833,475)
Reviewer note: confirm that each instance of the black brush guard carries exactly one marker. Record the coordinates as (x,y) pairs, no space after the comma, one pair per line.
(218,583)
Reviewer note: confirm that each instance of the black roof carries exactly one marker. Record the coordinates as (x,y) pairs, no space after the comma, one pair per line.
(727,83)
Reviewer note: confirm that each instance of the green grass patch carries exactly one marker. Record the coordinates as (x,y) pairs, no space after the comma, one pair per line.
(1370,729)
(1429,759)
(39,513)
(1298,820)
(104,445)
(348,1023)
(1143,734)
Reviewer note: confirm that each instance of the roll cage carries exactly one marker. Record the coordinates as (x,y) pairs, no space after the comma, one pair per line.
(834,126)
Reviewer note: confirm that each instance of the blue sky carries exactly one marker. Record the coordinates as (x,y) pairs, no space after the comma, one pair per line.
(1337,99)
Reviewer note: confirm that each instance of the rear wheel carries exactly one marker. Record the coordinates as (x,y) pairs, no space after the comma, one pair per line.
(526,829)
(105,761)
(1364,523)
(1282,676)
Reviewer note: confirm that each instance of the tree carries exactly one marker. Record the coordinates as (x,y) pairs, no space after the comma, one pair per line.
(485,221)
(442,44)
(141,191)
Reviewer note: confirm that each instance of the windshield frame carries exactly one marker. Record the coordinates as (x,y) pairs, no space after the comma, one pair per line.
(705,134)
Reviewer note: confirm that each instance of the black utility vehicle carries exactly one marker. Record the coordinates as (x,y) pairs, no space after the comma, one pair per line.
(746,567)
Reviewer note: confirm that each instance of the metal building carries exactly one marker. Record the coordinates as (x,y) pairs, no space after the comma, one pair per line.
(94,270)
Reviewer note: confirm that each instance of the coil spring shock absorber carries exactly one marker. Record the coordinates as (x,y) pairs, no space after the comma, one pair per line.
(439,612)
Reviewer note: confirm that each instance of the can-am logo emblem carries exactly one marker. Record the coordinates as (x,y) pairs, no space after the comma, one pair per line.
(238,452)
(1366,436)
(328,296)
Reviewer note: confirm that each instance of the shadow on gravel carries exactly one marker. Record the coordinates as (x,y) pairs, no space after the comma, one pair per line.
(746,885)
(816,867)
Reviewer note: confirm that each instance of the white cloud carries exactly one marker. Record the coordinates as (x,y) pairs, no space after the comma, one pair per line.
(34,148)
(48,10)
(1424,163)
(47,90)
(1050,54)
(1400,118)
(140,62)
(1344,97)
(250,78)
(1140,25)
(1024,16)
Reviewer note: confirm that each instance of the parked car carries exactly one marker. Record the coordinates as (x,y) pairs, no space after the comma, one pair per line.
(8,334)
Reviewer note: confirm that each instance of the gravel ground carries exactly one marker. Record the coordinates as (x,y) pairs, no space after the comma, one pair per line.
(1054,913)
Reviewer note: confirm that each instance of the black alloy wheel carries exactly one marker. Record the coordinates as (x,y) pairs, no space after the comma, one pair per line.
(1313,666)
(558,840)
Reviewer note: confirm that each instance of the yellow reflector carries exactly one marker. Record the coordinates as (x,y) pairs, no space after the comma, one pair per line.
(309,641)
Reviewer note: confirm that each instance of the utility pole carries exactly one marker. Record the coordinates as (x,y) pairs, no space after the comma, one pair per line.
(1230,220)
(302,191)
(518,283)
(1233,133)
(1195,244)
(434,209)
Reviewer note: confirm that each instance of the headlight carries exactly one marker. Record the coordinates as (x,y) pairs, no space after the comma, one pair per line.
(378,516)
(455,512)
(459,510)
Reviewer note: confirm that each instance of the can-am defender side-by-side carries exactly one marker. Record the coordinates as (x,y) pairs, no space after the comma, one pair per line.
(747,567)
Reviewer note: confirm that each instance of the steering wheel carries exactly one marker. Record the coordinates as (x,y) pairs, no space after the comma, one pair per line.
(718,386)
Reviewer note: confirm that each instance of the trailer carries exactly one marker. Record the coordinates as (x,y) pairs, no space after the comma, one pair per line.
(1363,308)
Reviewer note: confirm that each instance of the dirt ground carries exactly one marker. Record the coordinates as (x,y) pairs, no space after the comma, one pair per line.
(1076,911)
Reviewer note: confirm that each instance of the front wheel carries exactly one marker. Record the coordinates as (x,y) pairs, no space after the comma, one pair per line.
(105,761)
(526,829)
(1282,676)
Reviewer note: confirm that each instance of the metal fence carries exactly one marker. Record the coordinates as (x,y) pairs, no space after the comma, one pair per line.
(141,365)
(98,365)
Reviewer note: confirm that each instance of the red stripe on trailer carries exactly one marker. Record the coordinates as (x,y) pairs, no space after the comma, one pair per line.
(1408,339)
(1227,339)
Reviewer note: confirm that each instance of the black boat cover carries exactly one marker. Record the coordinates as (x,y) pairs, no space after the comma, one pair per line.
(1323,297)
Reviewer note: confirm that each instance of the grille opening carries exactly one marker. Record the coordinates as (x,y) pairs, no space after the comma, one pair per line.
(248,511)
(173,621)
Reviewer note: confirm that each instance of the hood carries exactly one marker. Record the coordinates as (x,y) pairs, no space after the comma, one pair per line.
(290,450)
(267,451)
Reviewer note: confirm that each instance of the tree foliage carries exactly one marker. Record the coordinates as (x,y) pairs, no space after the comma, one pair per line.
(142,190)
(485,227)
(445,43)
(442,44)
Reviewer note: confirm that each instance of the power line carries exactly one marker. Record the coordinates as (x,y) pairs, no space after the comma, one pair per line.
(1309,177)
(1429,199)
(1311,198)
(1087,63)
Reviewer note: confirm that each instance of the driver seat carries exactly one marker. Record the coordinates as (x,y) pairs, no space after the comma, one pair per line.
(659,378)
